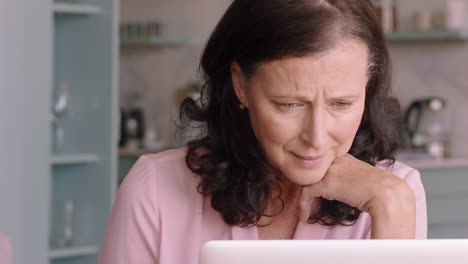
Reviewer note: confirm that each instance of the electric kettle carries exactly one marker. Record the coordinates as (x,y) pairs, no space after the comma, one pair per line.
(427,125)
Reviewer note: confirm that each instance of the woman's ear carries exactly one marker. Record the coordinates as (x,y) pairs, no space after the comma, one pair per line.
(239,83)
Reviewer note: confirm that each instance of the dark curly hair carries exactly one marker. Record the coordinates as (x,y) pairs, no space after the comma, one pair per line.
(227,156)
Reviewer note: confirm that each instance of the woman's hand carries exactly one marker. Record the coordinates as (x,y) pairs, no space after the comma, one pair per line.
(388,199)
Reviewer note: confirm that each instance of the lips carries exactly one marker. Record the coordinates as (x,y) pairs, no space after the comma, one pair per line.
(307,161)
(307,157)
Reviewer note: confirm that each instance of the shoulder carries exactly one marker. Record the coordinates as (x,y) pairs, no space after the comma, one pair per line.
(413,178)
(399,169)
(162,159)
(167,155)
(169,167)
(410,175)
(160,175)
(159,168)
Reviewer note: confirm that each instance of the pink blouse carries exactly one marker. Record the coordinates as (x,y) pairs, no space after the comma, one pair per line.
(159,217)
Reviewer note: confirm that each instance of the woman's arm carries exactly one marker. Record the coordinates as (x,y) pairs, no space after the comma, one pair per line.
(392,202)
(393,213)
(413,180)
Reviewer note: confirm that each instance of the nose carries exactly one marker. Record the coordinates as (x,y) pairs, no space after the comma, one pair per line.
(315,129)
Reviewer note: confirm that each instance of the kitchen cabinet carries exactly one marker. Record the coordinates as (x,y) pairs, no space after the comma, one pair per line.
(72,44)
(446,185)
(84,166)
(447,201)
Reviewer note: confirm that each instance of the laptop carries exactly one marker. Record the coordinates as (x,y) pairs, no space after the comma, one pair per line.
(445,251)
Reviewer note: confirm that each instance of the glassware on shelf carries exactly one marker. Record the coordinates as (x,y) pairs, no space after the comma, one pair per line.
(139,31)
(62,224)
(59,110)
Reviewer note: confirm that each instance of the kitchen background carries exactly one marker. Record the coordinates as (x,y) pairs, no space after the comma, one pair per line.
(421,69)
(61,163)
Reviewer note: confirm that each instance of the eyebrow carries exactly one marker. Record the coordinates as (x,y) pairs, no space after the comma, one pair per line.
(303,98)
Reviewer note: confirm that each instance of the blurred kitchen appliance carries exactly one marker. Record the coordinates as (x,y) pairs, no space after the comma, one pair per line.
(132,128)
(427,125)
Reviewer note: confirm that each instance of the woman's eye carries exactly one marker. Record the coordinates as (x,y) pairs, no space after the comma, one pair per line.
(343,105)
(288,105)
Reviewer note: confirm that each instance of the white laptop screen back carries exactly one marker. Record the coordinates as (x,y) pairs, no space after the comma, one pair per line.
(447,251)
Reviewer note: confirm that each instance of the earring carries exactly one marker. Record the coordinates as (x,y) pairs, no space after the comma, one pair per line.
(242,106)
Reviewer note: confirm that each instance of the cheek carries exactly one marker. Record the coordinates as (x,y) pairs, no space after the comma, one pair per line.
(269,128)
(344,133)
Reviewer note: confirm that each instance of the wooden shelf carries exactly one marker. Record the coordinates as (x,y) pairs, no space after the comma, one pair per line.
(73,159)
(73,252)
(437,164)
(435,35)
(76,9)
(155,41)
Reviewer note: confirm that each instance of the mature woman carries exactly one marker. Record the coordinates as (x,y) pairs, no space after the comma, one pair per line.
(298,144)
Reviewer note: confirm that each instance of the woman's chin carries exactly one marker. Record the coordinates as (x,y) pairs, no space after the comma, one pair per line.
(300,179)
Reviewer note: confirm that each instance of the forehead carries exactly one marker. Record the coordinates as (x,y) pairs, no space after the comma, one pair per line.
(341,68)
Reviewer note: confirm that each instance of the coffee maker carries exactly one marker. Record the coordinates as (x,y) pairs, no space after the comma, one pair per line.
(427,126)
(132,128)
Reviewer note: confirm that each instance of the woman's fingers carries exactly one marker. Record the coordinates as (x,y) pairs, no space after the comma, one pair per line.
(311,192)
(320,189)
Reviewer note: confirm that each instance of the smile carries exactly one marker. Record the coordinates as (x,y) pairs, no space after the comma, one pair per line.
(308,162)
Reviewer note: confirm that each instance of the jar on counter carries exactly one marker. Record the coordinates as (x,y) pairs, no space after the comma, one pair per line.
(423,20)
(452,16)
(387,13)
(455,14)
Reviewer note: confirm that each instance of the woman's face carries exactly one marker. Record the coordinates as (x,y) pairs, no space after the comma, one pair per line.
(305,111)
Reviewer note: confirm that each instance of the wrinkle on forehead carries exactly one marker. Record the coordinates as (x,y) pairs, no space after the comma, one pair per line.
(345,64)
